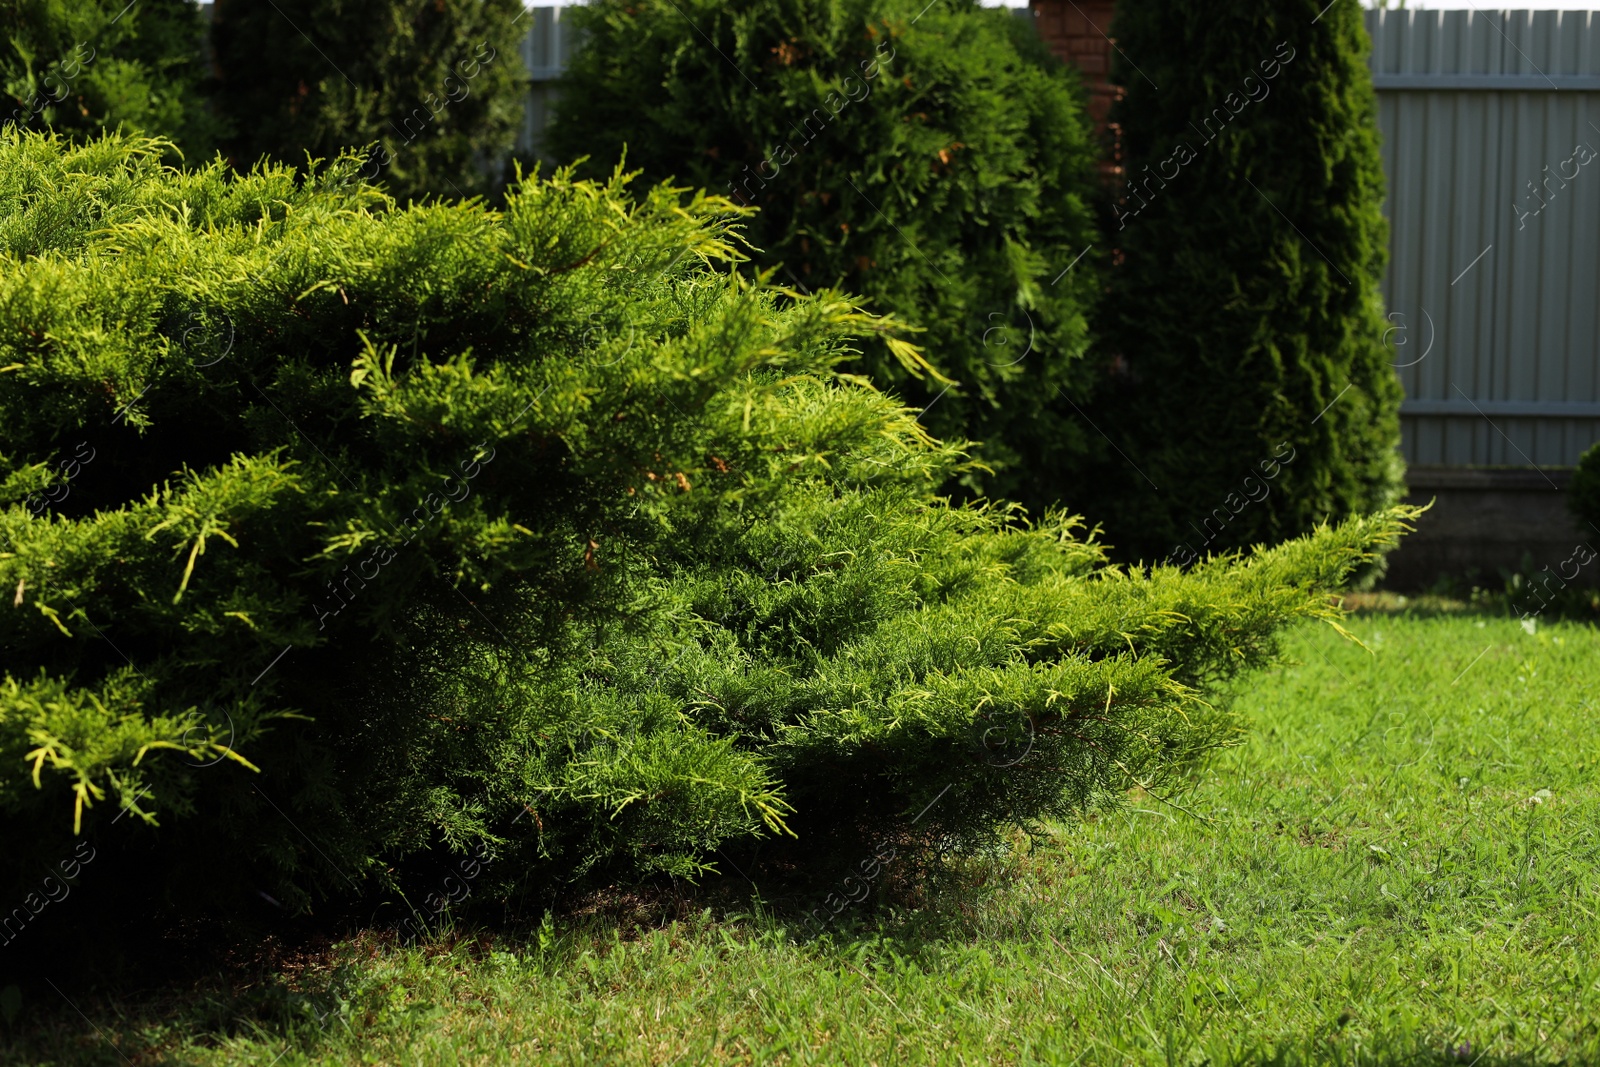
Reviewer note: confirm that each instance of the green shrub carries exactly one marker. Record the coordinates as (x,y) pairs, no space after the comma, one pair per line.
(438,87)
(1251,395)
(933,158)
(1583,496)
(338,534)
(85,66)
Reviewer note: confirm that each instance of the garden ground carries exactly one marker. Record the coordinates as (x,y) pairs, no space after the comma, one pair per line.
(1399,866)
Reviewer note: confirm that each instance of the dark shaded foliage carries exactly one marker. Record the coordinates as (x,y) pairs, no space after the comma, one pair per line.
(1245,325)
(82,67)
(933,158)
(436,85)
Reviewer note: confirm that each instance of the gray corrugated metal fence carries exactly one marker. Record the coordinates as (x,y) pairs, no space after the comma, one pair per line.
(1491,125)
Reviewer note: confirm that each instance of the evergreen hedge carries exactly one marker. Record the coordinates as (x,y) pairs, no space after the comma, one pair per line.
(85,66)
(437,86)
(933,158)
(1583,495)
(1250,395)
(336,534)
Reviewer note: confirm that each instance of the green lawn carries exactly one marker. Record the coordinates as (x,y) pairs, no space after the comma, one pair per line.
(1401,866)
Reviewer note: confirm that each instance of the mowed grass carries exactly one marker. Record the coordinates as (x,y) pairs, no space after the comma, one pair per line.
(1401,866)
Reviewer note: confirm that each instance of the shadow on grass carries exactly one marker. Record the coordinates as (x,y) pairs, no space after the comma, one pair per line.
(237,996)
(72,1027)
(165,1031)
(290,1004)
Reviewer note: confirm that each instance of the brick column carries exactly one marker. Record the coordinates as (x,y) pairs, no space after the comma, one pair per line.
(1079,32)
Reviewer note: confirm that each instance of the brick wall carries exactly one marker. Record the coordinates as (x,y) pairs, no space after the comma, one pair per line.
(1078,31)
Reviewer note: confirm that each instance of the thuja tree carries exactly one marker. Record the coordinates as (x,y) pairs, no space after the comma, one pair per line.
(1251,395)
(437,87)
(336,535)
(85,66)
(933,158)
(1583,495)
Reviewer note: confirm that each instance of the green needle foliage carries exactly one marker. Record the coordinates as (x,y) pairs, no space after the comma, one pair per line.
(437,85)
(1245,324)
(85,66)
(336,533)
(1583,496)
(933,158)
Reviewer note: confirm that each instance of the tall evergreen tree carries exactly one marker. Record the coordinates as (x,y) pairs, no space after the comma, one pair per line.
(932,158)
(1249,393)
(436,85)
(85,66)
